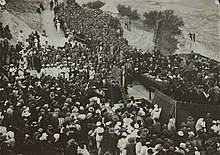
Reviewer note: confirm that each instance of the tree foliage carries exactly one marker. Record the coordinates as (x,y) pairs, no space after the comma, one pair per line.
(94,5)
(166,26)
(127,11)
(21,6)
(151,18)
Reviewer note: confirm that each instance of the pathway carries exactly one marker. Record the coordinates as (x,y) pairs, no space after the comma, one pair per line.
(55,38)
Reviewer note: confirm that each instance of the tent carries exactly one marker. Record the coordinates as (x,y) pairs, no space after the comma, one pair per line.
(111,8)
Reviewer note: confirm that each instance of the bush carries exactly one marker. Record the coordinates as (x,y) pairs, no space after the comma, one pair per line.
(21,6)
(134,15)
(151,18)
(94,5)
(126,11)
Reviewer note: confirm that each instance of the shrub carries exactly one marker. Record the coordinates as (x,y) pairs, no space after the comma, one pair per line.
(151,18)
(21,6)
(127,11)
(94,5)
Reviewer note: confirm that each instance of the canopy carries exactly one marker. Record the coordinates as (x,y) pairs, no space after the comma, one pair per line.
(110,7)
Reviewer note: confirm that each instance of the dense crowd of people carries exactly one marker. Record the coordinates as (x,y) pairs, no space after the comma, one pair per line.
(189,78)
(51,115)
(86,111)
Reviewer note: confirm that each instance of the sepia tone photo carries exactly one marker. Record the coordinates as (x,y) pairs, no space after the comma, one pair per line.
(109,77)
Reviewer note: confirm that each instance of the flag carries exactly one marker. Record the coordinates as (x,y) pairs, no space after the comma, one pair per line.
(116,73)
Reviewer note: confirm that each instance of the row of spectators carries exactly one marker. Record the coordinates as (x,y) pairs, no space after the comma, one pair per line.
(188,78)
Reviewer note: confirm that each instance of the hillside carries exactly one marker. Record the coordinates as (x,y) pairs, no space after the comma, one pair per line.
(25,10)
(22,6)
(15,25)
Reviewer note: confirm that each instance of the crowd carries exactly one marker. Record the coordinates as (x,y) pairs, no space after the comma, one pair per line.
(97,26)
(51,115)
(86,112)
(187,78)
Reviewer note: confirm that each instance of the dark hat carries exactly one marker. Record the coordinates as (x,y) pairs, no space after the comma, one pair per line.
(150,151)
(115,118)
(131,140)
(189,118)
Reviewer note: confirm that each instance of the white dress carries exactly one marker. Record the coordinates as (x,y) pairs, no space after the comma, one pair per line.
(138,148)
(21,37)
(58,27)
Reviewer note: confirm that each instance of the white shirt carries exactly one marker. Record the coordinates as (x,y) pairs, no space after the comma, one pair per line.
(96,132)
(200,124)
(143,150)
(122,143)
(138,148)
(156,113)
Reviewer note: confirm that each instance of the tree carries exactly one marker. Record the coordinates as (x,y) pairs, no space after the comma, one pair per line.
(166,26)
(151,18)
(94,5)
(127,11)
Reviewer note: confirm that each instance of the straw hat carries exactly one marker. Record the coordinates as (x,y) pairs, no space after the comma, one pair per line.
(112,130)
(180,133)
(98,124)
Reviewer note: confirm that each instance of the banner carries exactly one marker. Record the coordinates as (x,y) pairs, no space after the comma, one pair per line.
(116,73)
(166,103)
